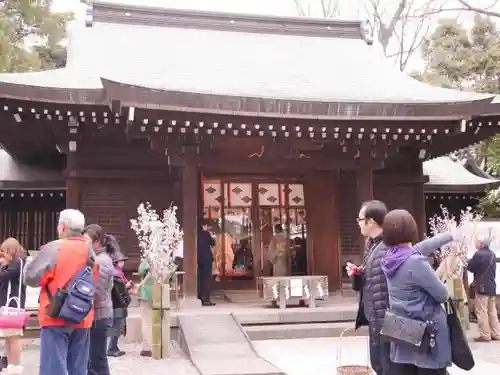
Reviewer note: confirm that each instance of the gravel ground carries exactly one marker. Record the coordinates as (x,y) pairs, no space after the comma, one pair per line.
(129,364)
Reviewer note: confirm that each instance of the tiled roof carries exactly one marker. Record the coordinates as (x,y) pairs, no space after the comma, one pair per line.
(225,62)
(14,175)
(446,174)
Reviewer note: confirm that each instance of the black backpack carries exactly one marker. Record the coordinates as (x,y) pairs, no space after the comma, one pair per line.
(119,294)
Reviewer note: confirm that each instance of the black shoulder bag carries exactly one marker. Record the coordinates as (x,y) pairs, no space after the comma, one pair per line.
(461,355)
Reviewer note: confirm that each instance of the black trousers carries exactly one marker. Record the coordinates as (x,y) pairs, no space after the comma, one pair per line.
(380,353)
(205,283)
(414,370)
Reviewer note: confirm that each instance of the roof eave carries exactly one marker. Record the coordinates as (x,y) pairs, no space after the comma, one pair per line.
(460,188)
(147,97)
(61,95)
(33,185)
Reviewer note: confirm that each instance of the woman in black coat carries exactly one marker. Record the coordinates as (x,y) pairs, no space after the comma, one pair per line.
(12,257)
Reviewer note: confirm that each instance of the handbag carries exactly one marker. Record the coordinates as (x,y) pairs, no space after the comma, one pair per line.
(14,317)
(478,279)
(461,355)
(400,329)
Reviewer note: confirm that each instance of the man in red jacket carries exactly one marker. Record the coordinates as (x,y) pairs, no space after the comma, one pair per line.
(64,347)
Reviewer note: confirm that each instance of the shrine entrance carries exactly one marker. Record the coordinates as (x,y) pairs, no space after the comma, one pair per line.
(244,216)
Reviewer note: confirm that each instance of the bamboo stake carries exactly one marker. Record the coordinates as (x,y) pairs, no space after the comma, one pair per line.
(459,298)
(157,321)
(165,324)
(455,287)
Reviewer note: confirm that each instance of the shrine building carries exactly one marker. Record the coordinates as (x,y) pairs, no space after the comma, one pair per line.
(455,184)
(249,121)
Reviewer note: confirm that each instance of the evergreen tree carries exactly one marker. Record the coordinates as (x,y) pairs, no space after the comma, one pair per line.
(31,36)
(467,60)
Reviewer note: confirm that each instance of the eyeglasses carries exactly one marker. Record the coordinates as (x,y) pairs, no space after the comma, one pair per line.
(360,219)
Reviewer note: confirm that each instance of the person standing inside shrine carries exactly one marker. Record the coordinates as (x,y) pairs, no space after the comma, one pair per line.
(279,252)
(205,242)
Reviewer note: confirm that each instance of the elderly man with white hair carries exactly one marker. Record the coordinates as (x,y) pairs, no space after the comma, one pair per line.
(483,266)
(64,346)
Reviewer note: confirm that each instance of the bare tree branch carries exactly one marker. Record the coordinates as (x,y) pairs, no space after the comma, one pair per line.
(300,8)
(386,30)
(408,22)
(484,11)
(328,8)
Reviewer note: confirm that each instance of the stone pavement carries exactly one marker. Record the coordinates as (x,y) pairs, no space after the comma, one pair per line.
(210,338)
(130,364)
(320,356)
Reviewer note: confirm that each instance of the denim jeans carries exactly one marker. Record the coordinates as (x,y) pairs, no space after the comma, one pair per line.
(98,358)
(64,350)
(114,333)
(113,344)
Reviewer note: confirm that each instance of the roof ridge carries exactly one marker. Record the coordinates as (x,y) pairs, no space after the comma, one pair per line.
(107,12)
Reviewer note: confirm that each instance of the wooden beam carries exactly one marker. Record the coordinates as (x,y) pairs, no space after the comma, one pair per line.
(394,179)
(122,174)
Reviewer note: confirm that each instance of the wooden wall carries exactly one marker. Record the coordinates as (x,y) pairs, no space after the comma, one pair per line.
(113,181)
(394,189)
(30,216)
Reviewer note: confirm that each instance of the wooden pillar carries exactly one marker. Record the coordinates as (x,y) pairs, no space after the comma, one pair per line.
(419,202)
(190,190)
(364,192)
(322,199)
(72,188)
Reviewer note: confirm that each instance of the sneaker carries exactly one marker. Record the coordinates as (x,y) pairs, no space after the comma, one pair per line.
(146,353)
(116,353)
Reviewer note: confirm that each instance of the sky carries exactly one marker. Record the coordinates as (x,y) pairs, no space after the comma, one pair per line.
(347,9)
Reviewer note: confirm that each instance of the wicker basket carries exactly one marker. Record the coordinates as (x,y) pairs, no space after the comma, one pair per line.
(352,369)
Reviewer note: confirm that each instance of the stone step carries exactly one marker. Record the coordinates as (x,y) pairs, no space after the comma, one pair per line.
(218,345)
(303,331)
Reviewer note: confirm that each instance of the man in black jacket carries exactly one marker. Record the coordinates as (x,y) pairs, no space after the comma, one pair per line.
(370,281)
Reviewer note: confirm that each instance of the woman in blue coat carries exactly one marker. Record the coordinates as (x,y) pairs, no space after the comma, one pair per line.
(415,292)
